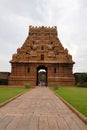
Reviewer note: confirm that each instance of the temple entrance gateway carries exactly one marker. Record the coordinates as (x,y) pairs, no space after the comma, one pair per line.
(42,59)
(41,77)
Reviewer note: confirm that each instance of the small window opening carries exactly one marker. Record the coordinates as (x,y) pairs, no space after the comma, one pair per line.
(42,48)
(55,70)
(42,57)
(28,70)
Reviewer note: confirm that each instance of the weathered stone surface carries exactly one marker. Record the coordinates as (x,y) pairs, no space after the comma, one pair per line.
(42,49)
(39,109)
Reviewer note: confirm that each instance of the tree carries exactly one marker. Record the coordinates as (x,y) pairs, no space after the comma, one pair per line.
(80,77)
(42,77)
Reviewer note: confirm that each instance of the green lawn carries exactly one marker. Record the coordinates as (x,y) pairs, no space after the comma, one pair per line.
(76,96)
(7,93)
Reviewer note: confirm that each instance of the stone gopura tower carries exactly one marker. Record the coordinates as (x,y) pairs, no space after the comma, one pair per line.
(42,49)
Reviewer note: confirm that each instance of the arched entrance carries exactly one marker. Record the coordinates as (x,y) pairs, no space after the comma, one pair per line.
(41,77)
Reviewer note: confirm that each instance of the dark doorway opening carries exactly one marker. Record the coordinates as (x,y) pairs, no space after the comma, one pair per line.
(41,77)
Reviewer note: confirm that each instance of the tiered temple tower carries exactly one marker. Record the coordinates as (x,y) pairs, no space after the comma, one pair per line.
(42,49)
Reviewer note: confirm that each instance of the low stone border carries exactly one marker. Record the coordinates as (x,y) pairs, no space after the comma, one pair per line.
(13,98)
(81,116)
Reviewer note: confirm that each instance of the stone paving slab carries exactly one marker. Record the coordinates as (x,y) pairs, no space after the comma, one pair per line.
(39,109)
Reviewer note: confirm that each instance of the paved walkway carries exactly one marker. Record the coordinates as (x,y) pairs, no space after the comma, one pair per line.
(39,109)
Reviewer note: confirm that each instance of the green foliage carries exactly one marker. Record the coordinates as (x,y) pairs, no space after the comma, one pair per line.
(82,85)
(80,78)
(51,85)
(54,86)
(42,77)
(78,84)
(27,85)
(76,96)
(7,93)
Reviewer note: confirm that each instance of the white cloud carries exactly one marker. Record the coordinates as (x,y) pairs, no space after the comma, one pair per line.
(69,16)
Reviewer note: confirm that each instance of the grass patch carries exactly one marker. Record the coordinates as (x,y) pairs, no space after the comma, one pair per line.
(76,96)
(7,93)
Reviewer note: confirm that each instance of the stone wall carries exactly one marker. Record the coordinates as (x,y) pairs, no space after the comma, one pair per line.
(42,48)
(4,76)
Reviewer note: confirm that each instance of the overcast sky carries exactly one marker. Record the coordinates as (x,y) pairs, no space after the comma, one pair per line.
(70,17)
